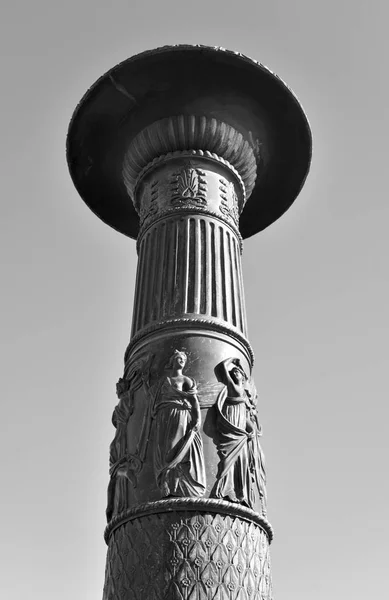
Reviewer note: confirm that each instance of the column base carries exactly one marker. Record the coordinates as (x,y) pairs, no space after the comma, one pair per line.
(183,549)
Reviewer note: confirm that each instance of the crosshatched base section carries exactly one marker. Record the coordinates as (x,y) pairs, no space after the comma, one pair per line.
(186,555)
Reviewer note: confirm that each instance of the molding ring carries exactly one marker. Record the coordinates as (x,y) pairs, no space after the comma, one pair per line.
(181,211)
(188,504)
(183,323)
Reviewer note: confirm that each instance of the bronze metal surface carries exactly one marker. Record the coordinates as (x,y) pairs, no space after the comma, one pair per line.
(188,149)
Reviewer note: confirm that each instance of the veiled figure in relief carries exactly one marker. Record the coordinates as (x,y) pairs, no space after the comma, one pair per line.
(256,455)
(241,464)
(123,467)
(178,448)
(119,478)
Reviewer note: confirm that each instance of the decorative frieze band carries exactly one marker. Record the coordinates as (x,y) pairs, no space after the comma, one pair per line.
(210,157)
(187,184)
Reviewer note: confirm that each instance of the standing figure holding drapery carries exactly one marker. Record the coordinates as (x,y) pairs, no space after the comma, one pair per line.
(238,430)
(178,448)
(256,455)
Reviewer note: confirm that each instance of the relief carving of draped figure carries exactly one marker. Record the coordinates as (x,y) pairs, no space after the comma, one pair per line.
(241,473)
(256,455)
(178,447)
(124,467)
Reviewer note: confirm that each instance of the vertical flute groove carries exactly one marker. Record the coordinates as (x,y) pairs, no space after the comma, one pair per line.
(232,279)
(192,266)
(217,274)
(144,282)
(213,255)
(139,273)
(169,291)
(223,313)
(159,275)
(176,255)
(203,266)
(197,267)
(186,265)
(227,276)
(179,305)
(208,269)
(154,309)
(241,297)
(151,275)
(239,288)
(165,258)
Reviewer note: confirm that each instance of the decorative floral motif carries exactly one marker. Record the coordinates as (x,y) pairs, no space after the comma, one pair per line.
(189,187)
(147,558)
(228,200)
(149,204)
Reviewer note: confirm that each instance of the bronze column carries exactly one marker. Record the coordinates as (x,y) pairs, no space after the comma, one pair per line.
(167,149)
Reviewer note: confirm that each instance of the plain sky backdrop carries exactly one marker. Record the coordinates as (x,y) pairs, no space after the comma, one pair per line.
(316,287)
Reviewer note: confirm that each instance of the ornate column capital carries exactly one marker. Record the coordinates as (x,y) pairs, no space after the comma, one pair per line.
(187,136)
(190,163)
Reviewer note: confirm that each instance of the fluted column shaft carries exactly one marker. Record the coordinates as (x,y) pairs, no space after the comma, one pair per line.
(189,267)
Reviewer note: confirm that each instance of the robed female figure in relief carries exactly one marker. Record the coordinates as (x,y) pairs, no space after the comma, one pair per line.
(238,432)
(123,466)
(120,475)
(256,455)
(178,448)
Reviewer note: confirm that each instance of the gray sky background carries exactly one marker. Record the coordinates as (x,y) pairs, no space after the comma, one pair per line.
(316,291)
